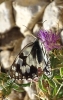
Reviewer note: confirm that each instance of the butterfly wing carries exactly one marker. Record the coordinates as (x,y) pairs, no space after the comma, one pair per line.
(29,60)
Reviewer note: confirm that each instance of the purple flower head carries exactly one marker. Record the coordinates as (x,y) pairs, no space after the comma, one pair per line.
(50,40)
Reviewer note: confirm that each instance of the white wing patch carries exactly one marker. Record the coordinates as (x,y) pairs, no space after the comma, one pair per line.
(16,74)
(19,61)
(28,69)
(13,68)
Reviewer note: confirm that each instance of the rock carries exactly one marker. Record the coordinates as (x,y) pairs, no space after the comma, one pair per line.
(2,1)
(6,17)
(61,35)
(31,91)
(53,15)
(28,13)
(14,95)
(36,28)
(10,46)
(59,2)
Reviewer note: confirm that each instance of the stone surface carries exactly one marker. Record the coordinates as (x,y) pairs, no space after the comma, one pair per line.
(59,2)
(10,46)
(31,91)
(53,15)
(14,95)
(36,28)
(28,13)
(6,16)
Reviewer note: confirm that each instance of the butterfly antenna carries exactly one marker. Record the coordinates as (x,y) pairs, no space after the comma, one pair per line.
(30,30)
(42,23)
(27,28)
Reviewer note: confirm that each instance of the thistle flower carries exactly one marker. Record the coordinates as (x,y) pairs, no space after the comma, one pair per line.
(50,40)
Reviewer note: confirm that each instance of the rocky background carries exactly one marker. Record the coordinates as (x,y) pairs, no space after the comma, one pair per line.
(30,16)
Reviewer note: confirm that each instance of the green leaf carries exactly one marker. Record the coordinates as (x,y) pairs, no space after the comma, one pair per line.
(10,81)
(55,90)
(61,72)
(57,77)
(50,81)
(3,77)
(6,91)
(60,94)
(1,87)
(41,85)
(17,87)
(25,85)
(55,61)
(59,89)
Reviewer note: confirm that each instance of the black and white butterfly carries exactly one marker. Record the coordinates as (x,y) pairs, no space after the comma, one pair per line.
(30,58)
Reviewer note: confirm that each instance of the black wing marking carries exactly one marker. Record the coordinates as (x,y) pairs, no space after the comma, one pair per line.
(36,51)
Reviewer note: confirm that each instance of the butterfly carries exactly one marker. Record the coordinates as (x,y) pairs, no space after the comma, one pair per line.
(32,57)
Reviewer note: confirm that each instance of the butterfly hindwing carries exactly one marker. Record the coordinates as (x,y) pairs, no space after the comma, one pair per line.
(23,66)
